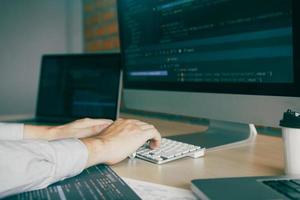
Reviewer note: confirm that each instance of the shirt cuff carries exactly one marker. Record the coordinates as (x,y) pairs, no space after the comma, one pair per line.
(11,131)
(71,157)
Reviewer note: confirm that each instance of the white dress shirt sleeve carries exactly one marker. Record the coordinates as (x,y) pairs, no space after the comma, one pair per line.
(10,131)
(34,164)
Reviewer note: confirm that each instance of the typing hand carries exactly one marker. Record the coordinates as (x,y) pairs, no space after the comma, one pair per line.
(119,140)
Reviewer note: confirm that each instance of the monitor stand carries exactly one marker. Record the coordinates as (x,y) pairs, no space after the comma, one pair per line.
(220,135)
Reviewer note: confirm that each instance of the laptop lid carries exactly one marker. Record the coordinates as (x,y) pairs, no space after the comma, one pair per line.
(79,85)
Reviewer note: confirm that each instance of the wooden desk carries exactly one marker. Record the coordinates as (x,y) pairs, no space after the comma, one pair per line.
(263,158)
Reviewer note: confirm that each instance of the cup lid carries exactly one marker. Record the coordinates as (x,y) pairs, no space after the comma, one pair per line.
(291,119)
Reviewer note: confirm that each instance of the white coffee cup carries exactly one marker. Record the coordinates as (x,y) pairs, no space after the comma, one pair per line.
(291,138)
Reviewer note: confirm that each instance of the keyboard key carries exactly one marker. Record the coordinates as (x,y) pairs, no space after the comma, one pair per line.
(297,181)
(289,188)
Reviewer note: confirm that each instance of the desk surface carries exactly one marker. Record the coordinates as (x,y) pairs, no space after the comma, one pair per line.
(263,158)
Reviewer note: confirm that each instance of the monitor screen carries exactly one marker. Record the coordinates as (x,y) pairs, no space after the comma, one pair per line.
(75,86)
(228,60)
(222,46)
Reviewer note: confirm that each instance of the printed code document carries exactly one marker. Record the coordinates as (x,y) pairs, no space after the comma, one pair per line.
(97,182)
(152,191)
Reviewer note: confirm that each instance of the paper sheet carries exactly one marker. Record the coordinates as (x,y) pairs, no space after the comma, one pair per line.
(152,191)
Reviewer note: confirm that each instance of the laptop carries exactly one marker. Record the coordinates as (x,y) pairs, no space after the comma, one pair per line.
(76,86)
(247,188)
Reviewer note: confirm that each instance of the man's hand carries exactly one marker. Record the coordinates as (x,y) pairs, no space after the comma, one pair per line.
(78,129)
(119,140)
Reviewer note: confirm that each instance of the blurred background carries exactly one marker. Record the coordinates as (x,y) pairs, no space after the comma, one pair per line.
(31,28)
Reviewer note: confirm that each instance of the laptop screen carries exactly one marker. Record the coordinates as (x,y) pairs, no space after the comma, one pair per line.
(75,86)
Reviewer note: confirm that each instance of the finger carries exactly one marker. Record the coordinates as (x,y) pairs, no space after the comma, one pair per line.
(141,123)
(91,131)
(125,122)
(144,125)
(132,121)
(154,137)
(118,121)
(147,126)
(154,144)
(87,122)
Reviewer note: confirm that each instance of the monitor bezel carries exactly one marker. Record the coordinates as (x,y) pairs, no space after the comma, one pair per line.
(268,89)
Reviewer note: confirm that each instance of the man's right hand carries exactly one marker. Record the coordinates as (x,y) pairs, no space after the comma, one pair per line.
(120,140)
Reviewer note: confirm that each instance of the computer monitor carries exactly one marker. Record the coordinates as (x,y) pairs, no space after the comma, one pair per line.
(231,61)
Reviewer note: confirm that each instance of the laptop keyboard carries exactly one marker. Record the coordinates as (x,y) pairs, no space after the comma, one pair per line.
(289,188)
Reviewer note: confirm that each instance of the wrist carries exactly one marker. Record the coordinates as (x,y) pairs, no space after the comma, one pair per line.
(96,151)
(55,133)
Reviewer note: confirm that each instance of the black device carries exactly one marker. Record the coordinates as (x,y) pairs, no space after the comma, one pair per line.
(97,182)
(247,188)
(78,85)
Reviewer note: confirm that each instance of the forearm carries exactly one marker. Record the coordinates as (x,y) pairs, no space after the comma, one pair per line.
(34,164)
(38,132)
(78,129)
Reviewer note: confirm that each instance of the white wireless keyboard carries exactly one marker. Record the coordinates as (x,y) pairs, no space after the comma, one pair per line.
(168,151)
